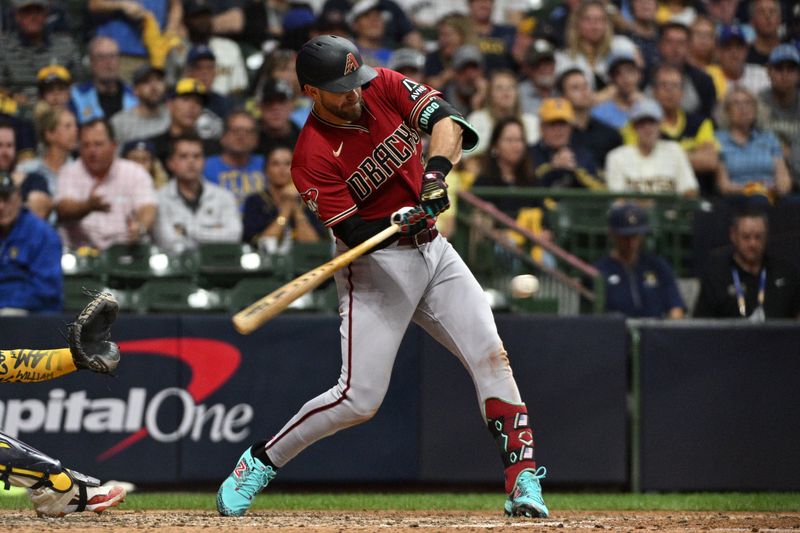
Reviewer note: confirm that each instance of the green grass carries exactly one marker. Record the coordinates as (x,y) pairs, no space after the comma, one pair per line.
(753,502)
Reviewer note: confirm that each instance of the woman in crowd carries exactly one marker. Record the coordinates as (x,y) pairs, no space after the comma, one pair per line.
(752,157)
(58,137)
(276,216)
(452,31)
(502,101)
(507,162)
(590,41)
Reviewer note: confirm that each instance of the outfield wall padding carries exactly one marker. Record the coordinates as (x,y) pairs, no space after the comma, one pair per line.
(719,405)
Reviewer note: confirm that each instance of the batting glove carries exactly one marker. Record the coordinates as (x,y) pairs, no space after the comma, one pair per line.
(434,198)
(411,220)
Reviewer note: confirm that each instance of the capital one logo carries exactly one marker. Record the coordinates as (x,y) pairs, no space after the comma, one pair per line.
(212,363)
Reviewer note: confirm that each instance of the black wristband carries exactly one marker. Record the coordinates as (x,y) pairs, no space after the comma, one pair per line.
(439,163)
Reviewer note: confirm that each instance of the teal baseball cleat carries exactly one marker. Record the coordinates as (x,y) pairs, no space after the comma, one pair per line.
(526,498)
(236,493)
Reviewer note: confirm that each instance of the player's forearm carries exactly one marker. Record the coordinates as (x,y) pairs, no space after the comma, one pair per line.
(446,140)
(354,230)
(31,366)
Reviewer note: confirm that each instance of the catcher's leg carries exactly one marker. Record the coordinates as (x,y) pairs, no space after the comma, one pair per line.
(55,491)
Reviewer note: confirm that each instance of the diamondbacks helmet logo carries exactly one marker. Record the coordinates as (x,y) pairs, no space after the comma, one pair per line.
(310,197)
(351,65)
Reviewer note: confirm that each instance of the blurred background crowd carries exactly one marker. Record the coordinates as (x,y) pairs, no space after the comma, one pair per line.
(173,122)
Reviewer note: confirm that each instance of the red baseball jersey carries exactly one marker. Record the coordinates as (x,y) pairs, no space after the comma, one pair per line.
(372,166)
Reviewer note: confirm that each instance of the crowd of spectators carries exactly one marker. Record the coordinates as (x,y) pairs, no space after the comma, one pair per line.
(160,120)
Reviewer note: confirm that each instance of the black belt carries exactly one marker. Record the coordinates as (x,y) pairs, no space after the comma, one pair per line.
(418,239)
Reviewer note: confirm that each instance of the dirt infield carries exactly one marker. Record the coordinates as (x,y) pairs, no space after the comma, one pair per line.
(320,521)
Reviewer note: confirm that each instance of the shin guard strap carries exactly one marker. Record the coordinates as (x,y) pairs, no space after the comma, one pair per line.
(81,497)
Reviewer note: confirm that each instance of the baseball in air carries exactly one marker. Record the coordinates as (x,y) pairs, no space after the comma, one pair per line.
(524,285)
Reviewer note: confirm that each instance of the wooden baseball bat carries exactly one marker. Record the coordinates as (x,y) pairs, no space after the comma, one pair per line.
(253,316)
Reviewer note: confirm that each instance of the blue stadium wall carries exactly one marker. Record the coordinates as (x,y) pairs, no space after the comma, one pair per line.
(708,408)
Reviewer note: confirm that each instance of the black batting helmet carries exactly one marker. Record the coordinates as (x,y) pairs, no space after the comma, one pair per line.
(332,64)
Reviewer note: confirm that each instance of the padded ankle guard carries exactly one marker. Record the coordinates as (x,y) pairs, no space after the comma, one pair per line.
(509,425)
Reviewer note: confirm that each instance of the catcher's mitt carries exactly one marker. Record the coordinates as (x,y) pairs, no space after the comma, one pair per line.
(88,335)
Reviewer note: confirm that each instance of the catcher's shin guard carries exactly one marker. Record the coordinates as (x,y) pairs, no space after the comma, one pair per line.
(25,466)
(509,425)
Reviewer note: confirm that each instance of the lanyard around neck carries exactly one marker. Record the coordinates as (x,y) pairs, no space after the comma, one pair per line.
(737,283)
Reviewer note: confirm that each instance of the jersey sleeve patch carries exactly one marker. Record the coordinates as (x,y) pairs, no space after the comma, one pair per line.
(415,89)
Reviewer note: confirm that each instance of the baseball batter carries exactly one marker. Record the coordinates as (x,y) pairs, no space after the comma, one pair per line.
(358,165)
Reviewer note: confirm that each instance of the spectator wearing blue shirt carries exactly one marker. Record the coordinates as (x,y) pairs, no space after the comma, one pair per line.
(30,257)
(105,94)
(122,20)
(366,20)
(237,168)
(495,41)
(638,284)
(558,162)
(753,159)
(625,76)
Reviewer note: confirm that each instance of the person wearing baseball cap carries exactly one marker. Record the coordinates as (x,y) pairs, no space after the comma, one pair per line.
(732,54)
(624,75)
(637,284)
(557,162)
(150,115)
(539,67)
(781,103)
(368,26)
(30,252)
(144,152)
(408,62)
(185,102)
(202,65)
(212,58)
(54,83)
(30,46)
(276,105)
(652,164)
(468,79)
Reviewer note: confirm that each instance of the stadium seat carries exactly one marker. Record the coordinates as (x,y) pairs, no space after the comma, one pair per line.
(128,266)
(176,296)
(305,256)
(249,290)
(74,297)
(222,265)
